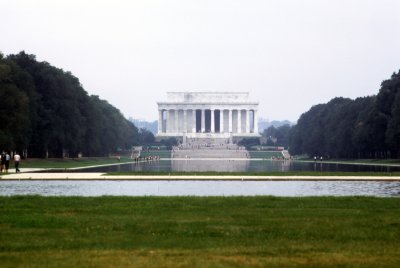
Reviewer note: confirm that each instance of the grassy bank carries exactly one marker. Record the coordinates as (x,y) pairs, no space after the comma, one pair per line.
(358,161)
(265,154)
(159,153)
(70,162)
(199,232)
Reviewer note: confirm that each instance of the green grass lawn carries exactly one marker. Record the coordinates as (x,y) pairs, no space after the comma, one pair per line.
(199,232)
(372,161)
(360,161)
(160,153)
(69,162)
(264,154)
(82,162)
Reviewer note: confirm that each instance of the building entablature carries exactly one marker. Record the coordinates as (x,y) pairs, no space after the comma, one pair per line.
(209,106)
(208,97)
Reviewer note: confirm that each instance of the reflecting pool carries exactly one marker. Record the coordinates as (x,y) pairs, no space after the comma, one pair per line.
(201,188)
(223,165)
(213,188)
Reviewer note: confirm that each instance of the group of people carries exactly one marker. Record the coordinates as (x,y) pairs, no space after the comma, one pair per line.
(281,158)
(5,158)
(316,158)
(147,158)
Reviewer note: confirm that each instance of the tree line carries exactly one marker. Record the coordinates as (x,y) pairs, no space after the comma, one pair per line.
(367,127)
(45,112)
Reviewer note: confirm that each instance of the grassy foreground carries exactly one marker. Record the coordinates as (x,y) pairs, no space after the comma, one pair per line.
(199,232)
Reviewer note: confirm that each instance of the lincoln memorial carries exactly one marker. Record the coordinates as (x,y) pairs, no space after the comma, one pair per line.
(207,114)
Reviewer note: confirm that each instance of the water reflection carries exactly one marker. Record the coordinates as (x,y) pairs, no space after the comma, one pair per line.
(204,165)
(223,165)
(200,188)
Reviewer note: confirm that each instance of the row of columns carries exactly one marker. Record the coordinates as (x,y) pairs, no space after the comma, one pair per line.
(212,119)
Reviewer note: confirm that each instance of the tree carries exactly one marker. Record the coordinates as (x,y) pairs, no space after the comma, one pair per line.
(14,111)
(344,128)
(53,116)
(146,137)
(393,130)
(249,142)
(277,136)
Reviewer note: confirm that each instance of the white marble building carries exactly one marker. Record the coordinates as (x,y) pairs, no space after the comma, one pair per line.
(207,114)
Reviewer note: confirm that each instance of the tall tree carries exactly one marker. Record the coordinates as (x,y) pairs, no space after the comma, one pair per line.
(393,129)
(344,128)
(15,127)
(52,115)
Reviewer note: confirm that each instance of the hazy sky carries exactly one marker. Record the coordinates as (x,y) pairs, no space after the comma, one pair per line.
(289,55)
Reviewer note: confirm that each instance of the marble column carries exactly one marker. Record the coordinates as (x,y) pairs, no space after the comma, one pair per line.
(212,121)
(184,121)
(167,123)
(255,118)
(221,121)
(230,121)
(160,121)
(193,121)
(176,127)
(247,121)
(239,122)
(203,120)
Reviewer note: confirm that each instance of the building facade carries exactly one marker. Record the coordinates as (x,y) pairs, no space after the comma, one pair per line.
(207,114)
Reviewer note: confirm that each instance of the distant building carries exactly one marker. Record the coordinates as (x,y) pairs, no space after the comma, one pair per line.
(149,125)
(207,114)
(263,124)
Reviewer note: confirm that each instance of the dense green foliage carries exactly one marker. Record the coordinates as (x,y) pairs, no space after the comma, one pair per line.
(276,136)
(271,136)
(46,112)
(249,142)
(146,136)
(199,232)
(367,127)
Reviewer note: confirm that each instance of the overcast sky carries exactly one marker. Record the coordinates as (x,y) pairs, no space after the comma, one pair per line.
(289,55)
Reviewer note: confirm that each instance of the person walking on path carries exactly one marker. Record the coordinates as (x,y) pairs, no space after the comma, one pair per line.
(17,158)
(8,158)
(3,162)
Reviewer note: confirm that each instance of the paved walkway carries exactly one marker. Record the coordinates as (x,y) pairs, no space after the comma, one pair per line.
(102,176)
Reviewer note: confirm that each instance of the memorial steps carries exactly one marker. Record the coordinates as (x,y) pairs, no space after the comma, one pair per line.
(209,153)
(209,148)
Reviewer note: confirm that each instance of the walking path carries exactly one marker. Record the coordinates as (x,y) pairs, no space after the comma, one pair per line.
(102,176)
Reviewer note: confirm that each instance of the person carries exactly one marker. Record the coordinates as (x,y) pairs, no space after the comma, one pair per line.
(7,164)
(3,161)
(17,158)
